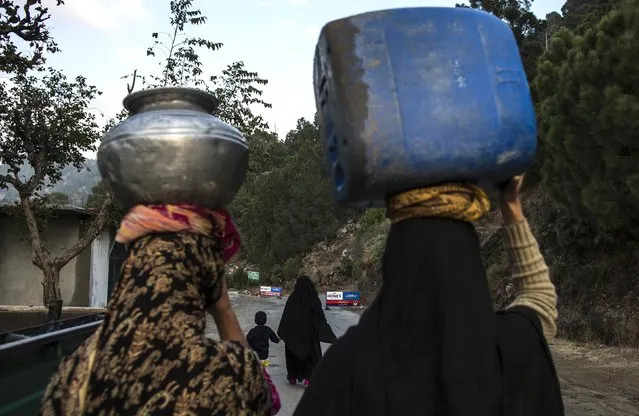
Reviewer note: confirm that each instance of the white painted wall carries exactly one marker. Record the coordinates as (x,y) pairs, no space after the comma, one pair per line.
(99,277)
(21,281)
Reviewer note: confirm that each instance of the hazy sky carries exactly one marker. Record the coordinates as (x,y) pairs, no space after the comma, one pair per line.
(106,39)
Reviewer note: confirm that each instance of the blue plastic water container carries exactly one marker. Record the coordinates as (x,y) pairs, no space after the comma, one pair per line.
(419,96)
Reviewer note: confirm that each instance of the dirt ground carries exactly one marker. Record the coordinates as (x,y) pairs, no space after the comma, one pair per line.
(598,381)
(595,380)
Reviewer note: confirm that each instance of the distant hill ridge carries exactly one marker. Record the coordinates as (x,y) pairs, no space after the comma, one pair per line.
(76,184)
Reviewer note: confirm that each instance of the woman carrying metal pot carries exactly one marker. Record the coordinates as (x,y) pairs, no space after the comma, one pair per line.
(150,356)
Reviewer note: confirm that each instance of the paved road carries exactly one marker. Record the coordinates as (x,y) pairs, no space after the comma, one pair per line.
(595,381)
(245,308)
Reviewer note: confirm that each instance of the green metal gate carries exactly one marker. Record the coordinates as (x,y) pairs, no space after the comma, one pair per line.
(28,361)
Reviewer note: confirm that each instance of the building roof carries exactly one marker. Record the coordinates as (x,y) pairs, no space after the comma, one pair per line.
(71,209)
(59,209)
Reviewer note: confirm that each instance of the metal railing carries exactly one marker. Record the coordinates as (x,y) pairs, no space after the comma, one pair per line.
(29,357)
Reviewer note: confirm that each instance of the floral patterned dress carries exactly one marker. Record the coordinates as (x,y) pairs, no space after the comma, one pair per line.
(150,356)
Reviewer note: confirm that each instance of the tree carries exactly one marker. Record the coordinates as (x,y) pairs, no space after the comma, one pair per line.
(56,198)
(516,13)
(589,119)
(286,203)
(45,122)
(551,25)
(585,13)
(100,197)
(236,88)
(27,22)
(526,27)
(181,66)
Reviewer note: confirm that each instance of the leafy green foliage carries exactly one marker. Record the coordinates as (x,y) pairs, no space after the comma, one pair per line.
(589,118)
(582,14)
(238,279)
(346,267)
(237,89)
(286,205)
(516,13)
(181,65)
(291,268)
(45,122)
(26,21)
(56,198)
(97,199)
(370,219)
(527,28)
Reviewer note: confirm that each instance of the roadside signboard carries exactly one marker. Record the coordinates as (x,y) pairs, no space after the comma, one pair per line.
(253,277)
(271,291)
(342,298)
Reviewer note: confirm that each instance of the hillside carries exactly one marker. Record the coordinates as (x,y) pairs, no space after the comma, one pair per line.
(76,184)
(597,282)
(597,278)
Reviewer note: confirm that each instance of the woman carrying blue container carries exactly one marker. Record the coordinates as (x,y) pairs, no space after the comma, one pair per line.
(431,344)
(421,110)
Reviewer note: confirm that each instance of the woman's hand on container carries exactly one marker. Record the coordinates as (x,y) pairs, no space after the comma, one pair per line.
(510,202)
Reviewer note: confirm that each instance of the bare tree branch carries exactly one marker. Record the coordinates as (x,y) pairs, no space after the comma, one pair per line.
(28,25)
(6,179)
(131,87)
(39,251)
(94,230)
(38,170)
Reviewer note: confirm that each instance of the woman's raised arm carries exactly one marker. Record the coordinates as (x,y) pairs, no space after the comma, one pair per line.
(530,275)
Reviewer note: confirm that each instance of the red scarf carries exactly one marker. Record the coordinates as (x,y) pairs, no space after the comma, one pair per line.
(146,219)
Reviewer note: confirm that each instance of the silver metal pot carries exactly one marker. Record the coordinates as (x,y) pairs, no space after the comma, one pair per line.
(172,150)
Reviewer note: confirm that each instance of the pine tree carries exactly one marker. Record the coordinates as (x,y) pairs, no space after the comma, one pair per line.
(589,121)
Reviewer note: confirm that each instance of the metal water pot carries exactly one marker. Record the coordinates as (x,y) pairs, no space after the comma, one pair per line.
(172,150)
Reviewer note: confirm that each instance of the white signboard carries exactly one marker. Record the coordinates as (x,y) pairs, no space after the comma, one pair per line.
(271,291)
(334,295)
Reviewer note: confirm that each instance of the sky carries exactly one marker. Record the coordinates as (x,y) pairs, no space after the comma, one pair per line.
(104,40)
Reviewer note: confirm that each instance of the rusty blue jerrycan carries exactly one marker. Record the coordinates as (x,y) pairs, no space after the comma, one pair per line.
(419,96)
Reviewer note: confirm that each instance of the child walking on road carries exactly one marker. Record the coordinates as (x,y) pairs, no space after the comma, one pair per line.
(258,337)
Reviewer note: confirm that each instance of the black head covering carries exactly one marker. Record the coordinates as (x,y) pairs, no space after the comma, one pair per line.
(260,318)
(297,327)
(429,343)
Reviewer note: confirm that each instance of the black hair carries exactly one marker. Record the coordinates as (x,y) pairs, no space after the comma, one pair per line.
(260,318)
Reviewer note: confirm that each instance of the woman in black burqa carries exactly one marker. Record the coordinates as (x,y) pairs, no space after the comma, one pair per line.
(302,327)
(431,343)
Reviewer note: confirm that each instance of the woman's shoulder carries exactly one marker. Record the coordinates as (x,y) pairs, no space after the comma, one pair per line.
(526,361)
(520,325)
(520,315)
(521,341)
